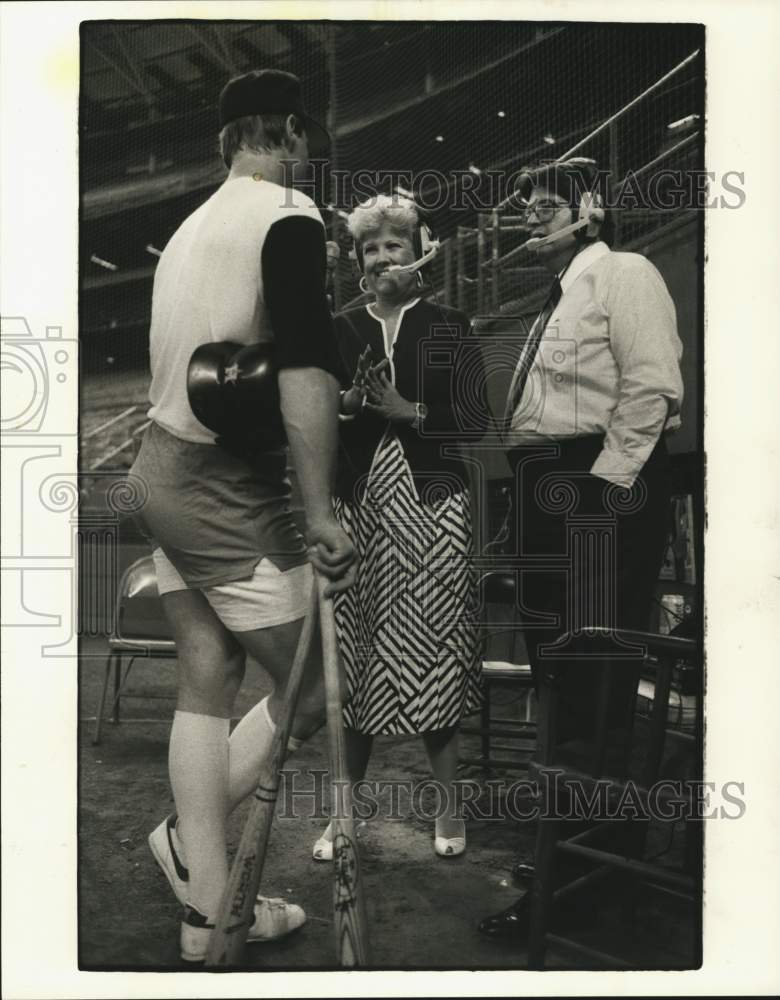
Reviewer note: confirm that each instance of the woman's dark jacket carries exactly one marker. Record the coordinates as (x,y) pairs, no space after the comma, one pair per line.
(437,363)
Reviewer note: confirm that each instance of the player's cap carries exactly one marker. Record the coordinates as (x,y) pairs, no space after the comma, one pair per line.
(270,91)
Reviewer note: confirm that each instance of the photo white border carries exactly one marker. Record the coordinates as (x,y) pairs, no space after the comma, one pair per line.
(39,212)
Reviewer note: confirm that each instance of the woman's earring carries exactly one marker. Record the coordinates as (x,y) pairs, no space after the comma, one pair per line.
(420,280)
(363,284)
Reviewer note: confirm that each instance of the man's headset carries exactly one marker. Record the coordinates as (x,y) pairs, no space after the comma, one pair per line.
(590,214)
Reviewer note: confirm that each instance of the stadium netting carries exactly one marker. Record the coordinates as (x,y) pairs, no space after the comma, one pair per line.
(447,110)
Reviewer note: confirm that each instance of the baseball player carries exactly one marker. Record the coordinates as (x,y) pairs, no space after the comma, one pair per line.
(234,574)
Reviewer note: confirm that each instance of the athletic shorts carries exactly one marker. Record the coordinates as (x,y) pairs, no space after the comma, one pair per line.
(215,515)
(269,597)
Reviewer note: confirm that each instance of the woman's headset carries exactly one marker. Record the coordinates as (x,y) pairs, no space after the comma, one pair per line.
(424,243)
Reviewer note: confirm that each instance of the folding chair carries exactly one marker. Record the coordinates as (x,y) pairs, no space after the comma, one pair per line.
(140,630)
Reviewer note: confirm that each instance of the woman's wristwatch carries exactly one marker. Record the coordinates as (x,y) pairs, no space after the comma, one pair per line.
(421,412)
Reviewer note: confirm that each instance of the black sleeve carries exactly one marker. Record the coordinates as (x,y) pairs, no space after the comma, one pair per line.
(293,267)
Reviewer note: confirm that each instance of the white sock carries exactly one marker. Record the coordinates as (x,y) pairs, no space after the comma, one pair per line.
(198,766)
(250,744)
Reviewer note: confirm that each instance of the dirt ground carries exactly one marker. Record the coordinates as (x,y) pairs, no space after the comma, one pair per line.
(422,910)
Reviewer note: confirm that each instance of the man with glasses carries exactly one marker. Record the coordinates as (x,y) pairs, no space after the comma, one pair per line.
(596,388)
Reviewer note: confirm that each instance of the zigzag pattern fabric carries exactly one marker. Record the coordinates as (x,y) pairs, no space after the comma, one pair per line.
(407,629)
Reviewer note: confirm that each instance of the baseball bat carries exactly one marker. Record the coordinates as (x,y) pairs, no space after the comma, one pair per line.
(349,917)
(236,911)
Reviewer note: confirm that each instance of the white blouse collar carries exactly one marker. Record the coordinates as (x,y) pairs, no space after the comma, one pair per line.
(404,308)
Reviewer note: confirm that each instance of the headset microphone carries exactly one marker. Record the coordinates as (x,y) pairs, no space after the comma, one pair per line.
(433,249)
(591,210)
(426,246)
(542,241)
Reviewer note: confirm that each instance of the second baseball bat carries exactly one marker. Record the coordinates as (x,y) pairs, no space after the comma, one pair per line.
(349,915)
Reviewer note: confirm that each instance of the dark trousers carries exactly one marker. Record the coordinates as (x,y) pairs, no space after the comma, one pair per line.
(589,555)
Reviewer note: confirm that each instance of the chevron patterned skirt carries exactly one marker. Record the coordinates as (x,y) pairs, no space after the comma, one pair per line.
(407,629)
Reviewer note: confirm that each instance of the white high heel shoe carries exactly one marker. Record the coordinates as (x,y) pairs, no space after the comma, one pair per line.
(450,847)
(323,846)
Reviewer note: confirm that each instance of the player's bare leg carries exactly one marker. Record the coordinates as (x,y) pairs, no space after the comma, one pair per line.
(274,649)
(211,771)
(211,666)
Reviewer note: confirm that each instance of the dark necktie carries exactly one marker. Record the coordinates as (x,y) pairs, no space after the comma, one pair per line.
(529,352)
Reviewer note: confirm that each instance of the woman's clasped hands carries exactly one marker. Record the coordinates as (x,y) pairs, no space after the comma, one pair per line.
(372,389)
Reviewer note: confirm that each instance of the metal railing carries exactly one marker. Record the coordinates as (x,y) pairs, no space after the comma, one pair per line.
(133,434)
(482,289)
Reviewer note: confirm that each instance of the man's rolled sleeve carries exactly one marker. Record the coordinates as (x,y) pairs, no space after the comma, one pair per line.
(647,351)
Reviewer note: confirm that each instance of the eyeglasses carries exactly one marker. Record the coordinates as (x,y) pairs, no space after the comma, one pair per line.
(544,210)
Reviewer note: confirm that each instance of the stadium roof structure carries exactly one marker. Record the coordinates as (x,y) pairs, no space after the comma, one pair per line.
(438,98)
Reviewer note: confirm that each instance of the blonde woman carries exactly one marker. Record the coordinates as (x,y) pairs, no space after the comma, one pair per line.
(407,631)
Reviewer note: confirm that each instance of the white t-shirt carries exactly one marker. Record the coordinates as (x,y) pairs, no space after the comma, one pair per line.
(208,287)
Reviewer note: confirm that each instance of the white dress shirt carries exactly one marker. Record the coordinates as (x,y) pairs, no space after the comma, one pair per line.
(608,363)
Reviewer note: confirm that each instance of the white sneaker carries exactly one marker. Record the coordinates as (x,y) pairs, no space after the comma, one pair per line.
(323,846)
(274,918)
(166,847)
